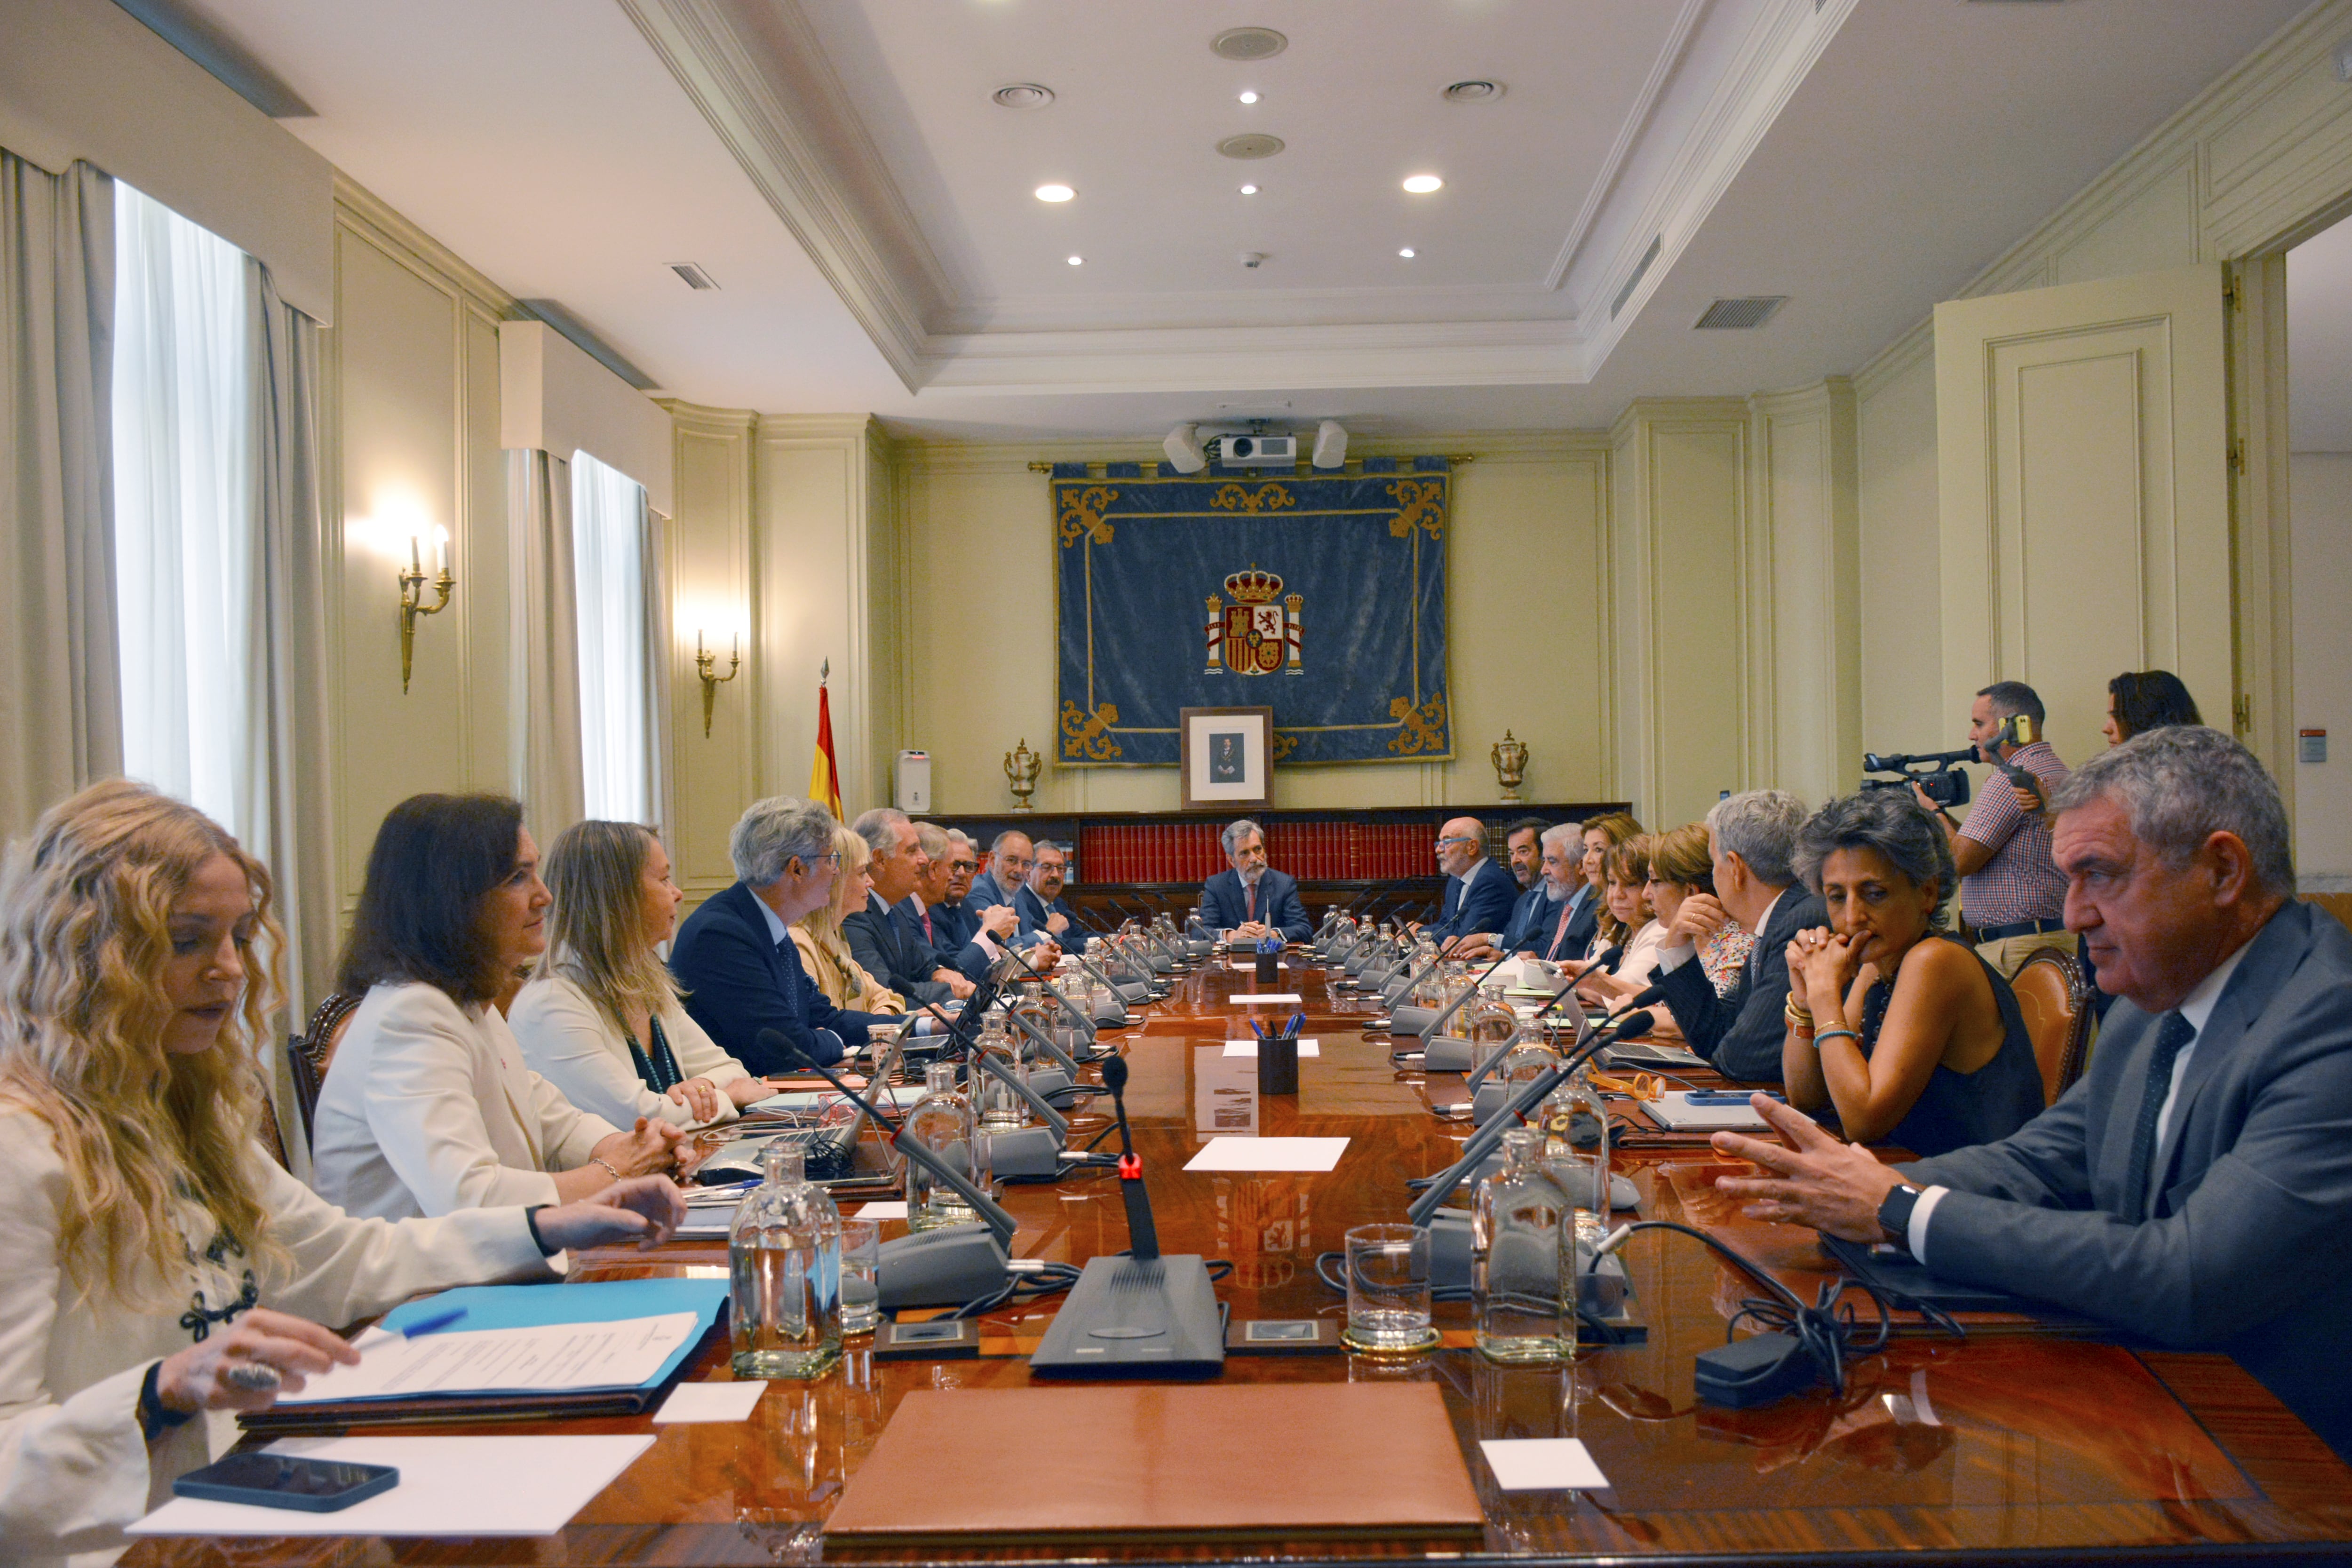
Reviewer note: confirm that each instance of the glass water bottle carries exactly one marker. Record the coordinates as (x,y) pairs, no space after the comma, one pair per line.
(945,1124)
(783,1252)
(1001,1107)
(1515,1257)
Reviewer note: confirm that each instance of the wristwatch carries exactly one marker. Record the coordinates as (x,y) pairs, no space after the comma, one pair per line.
(1895,1213)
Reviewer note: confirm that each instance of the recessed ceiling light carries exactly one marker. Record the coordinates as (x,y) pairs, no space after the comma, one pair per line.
(1024,95)
(1475,92)
(1249,98)
(1419,184)
(1077,261)
(1054,192)
(1249,190)
(1406,253)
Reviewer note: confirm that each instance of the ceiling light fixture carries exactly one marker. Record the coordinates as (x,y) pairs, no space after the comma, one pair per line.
(1421,184)
(1054,192)
(1249,190)
(1251,144)
(1024,95)
(1478,90)
(1406,253)
(1077,261)
(1249,98)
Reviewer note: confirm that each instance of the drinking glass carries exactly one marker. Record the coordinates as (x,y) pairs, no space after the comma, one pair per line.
(861,1275)
(1388,1290)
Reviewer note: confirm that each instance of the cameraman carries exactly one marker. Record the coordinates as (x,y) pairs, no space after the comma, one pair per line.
(2012,895)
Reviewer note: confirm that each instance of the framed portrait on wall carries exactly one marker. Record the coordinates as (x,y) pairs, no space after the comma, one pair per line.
(1226,757)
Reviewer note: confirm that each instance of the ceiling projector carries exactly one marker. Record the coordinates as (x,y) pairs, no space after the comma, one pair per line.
(1189,447)
(1240,450)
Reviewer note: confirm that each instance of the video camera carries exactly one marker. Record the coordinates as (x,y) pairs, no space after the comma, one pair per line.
(1936,773)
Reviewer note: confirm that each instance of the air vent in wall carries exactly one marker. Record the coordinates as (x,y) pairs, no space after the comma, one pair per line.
(1641,270)
(1740,315)
(694,277)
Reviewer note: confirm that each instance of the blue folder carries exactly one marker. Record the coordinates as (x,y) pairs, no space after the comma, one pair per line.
(599,1302)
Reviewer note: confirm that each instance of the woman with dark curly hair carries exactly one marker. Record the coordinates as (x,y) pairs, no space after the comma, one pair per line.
(1911,1039)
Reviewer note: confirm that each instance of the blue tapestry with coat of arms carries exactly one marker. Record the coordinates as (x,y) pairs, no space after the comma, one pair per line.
(1320,596)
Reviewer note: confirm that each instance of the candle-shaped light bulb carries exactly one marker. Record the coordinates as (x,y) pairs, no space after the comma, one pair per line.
(441,550)
(414,568)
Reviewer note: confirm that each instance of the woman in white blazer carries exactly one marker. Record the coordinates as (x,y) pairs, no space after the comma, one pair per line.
(600,1019)
(160,1265)
(428,1107)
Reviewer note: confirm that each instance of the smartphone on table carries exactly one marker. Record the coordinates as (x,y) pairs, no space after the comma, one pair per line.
(286,1480)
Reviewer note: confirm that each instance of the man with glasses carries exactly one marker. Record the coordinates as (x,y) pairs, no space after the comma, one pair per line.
(934,912)
(1478,893)
(735,957)
(879,943)
(1253,899)
(1008,859)
(1039,903)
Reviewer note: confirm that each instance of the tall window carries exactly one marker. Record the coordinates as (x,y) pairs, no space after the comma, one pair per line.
(183,512)
(608,545)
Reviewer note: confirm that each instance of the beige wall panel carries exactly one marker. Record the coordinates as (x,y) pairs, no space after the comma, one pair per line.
(1902,690)
(1524,596)
(714,778)
(1805,718)
(398,344)
(1696,483)
(2084,493)
(2323,665)
(2156,229)
(486,586)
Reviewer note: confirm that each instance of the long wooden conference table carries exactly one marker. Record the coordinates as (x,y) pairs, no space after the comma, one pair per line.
(2013,1443)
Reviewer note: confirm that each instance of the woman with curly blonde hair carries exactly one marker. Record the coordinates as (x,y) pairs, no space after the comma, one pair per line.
(159,1264)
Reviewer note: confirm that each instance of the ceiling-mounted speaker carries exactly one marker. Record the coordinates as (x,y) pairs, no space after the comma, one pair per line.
(1330,445)
(1185,453)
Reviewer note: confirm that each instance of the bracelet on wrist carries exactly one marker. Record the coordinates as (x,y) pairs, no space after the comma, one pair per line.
(1822,1034)
(610,1169)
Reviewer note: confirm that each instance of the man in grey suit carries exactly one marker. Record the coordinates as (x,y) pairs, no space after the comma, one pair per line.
(2196,1186)
(1751,837)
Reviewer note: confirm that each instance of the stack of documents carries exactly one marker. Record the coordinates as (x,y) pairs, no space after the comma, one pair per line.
(520,1352)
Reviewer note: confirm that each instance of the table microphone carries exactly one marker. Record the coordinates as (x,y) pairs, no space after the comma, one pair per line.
(1142,1237)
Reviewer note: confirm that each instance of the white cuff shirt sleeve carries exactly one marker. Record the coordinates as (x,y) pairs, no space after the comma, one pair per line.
(1915,1235)
(1675,957)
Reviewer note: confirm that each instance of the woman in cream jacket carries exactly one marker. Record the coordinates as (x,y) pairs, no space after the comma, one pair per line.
(162,1267)
(824,951)
(428,1107)
(600,1019)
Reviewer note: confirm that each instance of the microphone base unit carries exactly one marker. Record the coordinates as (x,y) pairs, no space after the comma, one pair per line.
(1411,1020)
(1605,1293)
(942,1268)
(1026,1152)
(1445,1054)
(1130,1317)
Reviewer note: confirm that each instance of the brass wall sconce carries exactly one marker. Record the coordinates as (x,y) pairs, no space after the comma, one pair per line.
(706,665)
(412,598)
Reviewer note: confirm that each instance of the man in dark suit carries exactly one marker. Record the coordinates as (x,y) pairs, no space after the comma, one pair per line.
(879,940)
(1253,899)
(1536,910)
(1039,903)
(1751,837)
(1478,892)
(735,956)
(934,913)
(2196,1186)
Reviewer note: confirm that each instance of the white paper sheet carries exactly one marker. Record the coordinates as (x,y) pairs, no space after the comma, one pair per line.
(882,1211)
(1249,1047)
(1542,1465)
(710,1401)
(449,1486)
(619,1354)
(706,1222)
(1267,999)
(1269,1154)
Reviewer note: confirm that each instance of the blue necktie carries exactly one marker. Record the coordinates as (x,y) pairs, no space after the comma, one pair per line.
(2177,1032)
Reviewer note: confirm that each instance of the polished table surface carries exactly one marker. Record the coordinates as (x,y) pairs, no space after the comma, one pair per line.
(2010,1443)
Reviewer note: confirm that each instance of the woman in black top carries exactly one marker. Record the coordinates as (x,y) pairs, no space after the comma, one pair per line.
(1912,1039)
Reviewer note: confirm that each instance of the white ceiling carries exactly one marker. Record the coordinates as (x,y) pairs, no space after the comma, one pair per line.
(837,166)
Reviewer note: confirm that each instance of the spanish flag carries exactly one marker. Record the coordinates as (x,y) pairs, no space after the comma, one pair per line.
(825,770)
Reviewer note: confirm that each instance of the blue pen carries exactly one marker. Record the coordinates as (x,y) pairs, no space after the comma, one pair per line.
(1256,1028)
(1297,1022)
(431,1324)
(1725,1097)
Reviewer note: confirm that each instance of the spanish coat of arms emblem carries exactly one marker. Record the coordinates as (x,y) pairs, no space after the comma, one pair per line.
(1259,632)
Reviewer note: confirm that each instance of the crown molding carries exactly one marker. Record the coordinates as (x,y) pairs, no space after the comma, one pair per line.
(367,214)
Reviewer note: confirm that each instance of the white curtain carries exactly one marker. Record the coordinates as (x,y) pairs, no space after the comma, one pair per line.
(660,808)
(543,701)
(58,681)
(609,541)
(183,503)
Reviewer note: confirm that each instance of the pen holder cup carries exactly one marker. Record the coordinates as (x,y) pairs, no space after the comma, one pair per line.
(1269,969)
(1277,1064)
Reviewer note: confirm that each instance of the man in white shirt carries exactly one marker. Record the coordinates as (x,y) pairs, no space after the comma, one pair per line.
(2196,1187)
